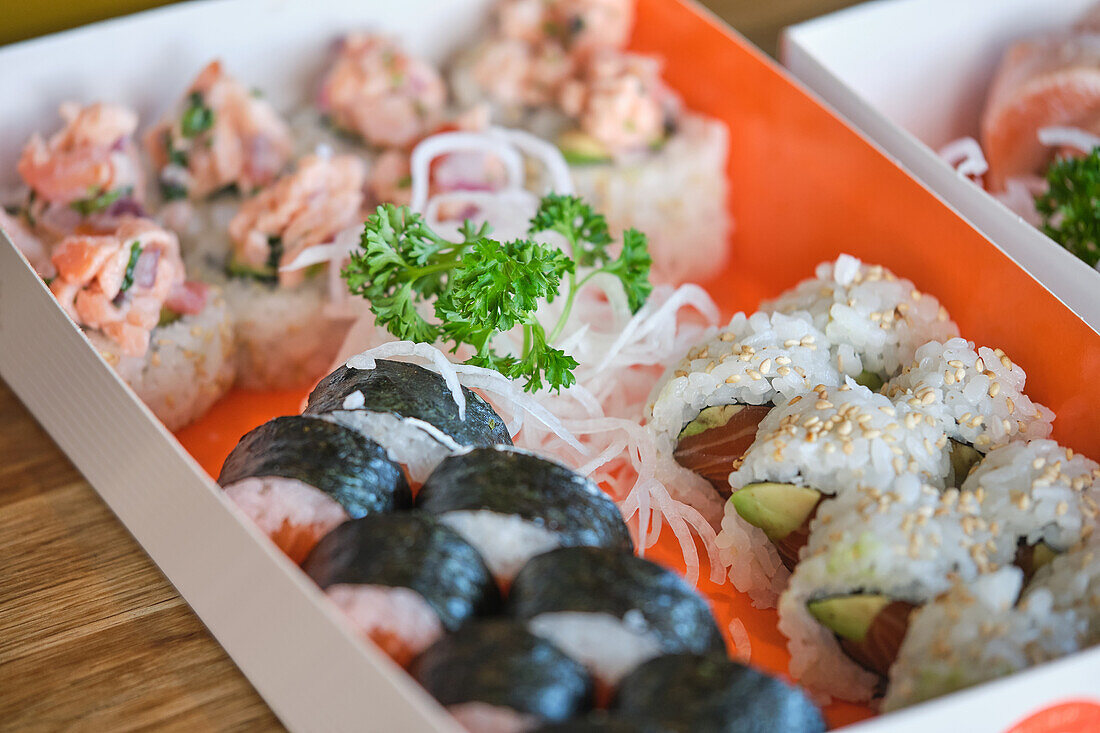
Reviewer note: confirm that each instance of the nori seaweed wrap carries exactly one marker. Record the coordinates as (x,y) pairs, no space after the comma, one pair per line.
(604,722)
(513,505)
(712,694)
(600,580)
(407,550)
(410,391)
(348,468)
(500,663)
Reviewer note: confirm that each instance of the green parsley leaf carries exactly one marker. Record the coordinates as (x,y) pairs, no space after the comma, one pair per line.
(583,228)
(632,268)
(128,278)
(98,201)
(1071,206)
(197,118)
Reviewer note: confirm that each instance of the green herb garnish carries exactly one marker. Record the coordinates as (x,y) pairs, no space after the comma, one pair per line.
(98,201)
(128,278)
(1071,206)
(480,287)
(197,118)
(172,191)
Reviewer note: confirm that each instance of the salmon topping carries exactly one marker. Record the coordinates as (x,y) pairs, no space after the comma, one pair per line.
(711,447)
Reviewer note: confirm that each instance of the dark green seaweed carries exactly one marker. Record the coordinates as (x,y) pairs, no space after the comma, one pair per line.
(408,550)
(513,482)
(349,468)
(600,580)
(712,694)
(408,390)
(500,663)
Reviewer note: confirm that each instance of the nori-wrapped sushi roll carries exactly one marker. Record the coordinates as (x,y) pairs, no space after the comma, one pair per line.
(512,505)
(298,477)
(711,694)
(402,579)
(496,675)
(611,610)
(409,410)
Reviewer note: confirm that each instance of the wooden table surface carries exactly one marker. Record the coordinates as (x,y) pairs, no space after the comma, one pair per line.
(92,636)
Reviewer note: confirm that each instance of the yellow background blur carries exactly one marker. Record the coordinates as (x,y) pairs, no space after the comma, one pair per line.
(21,19)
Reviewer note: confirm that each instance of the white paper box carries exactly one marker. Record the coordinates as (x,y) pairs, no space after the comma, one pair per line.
(913,75)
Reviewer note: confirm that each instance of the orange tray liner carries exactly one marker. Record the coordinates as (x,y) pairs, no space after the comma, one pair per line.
(805,187)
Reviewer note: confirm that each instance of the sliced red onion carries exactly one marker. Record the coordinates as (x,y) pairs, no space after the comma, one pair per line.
(145,271)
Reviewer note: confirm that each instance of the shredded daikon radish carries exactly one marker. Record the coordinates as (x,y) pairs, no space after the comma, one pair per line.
(965,156)
(742,643)
(1019,197)
(1069,137)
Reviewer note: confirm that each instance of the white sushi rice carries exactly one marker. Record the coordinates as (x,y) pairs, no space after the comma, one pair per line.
(976,632)
(285,337)
(189,364)
(1036,491)
(397,619)
(292,513)
(752,563)
(755,360)
(884,318)
(977,395)
(675,195)
(415,444)
(1073,580)
(481,717)
(506,542)
(908,542)
(610,647)
(835,439)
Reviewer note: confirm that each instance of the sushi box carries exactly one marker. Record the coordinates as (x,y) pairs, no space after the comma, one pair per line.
(805,187)
(913,75)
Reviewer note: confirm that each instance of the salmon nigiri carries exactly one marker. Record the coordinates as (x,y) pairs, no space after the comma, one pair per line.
(1044,82)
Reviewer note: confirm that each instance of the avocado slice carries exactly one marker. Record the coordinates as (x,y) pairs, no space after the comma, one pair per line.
(778,509)
(870,380)
(1030,558)
(710,417)
(168,317)
(849,617)
(580,148)
(1042,555)
(963,458)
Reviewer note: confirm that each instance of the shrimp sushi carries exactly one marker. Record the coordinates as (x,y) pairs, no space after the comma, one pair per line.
(497,677)
(409,410)
(168,337)
(611,610)
(402,580)
(512,505)
(690,693)
(297,478)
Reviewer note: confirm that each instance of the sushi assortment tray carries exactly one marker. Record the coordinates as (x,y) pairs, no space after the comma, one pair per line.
(346,548)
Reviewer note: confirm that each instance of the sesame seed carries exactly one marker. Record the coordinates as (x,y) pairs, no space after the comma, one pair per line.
(822,404)
(960,374)
(754,375)
(887,410)
(795,400)
(928,398)
(949,377)
(872,434)
(727,337)
(955,363)
(979,365)
(765,366)
(1006,363)
(790,343)
(848,448)
(783,371)
(782,360)
(681,373)
(733,379)
(1061,508)
(845,428)
(994,388)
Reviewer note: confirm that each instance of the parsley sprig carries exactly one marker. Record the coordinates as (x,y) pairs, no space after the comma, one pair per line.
(1071,206)
(480,287)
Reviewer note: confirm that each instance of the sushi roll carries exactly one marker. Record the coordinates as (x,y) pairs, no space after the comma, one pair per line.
(708,405)
(86,176)
(979,631)
(977,396)
(497,677)
(168,337)
(817,446)
(689,693)
(297,478)
(402,580)
(875,319)
(873,556)
(409,410)
(1042,496)
(512,505)
(1073,580)
(611,610)
(221,135)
